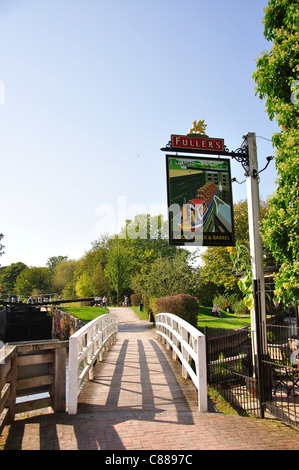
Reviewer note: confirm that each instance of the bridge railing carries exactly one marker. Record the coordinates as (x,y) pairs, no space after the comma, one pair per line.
(32,377)
(86,346)
(188,345)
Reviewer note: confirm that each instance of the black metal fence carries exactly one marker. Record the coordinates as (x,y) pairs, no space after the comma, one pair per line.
(231,370)
(282,364)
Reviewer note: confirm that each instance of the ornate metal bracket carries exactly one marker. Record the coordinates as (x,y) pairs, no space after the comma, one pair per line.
(241,155)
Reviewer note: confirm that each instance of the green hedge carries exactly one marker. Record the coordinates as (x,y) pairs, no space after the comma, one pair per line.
(183,305)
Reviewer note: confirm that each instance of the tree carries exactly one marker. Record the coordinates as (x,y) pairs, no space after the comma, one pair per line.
(119,268)
(54,261)
(218,265)
(63,275)
(8,276)
(166,276)
(33,281)
(219,270)
(92,284)
(276,81)
(146,238)
(89,276)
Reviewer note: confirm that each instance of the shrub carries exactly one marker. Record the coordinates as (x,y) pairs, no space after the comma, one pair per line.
(183,305)
(240,308)
(223,302)
(135,299)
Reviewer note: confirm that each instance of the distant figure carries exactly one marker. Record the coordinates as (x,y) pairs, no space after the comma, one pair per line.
(105,301)
(98,302)
(216,311)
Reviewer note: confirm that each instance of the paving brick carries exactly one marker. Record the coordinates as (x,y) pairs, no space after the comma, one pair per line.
(137,400)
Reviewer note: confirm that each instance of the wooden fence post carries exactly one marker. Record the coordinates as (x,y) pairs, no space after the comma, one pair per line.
(59,399)
(202,374)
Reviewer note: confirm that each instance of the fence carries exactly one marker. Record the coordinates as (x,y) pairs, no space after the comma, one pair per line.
(31,370)
(230,371)
(230,368)
(188,345)
(85,348)
(282,366)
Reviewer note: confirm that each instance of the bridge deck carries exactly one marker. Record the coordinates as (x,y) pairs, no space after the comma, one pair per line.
(138,401)
(137,375)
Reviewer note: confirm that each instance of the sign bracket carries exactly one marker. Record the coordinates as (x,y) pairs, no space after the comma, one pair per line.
(241,154)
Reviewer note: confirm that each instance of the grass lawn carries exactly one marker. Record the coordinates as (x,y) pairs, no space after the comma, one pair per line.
(85,314)
(227,320)
(205,318)
(142,315)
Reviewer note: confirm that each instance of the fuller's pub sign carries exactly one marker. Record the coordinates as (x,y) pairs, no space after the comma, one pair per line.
(200,206)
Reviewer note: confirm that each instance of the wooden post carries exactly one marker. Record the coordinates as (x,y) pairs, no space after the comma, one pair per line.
(202,374)
(12,379)
(73,375)
(59,398)
(258,313)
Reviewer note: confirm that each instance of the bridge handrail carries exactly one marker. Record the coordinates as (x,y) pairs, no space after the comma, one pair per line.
(187,344)
(86,346)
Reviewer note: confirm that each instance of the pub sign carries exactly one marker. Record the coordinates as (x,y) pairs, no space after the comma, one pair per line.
(200,206)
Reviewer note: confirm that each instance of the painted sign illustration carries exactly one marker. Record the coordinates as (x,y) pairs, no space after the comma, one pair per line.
(200,207)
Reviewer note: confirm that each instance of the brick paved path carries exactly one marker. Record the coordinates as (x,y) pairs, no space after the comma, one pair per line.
(138,401)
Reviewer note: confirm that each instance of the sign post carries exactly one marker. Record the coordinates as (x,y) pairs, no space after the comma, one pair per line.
(183,174)
(258,313)
(253,204)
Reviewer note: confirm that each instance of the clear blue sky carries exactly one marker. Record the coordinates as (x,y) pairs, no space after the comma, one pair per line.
(94,89)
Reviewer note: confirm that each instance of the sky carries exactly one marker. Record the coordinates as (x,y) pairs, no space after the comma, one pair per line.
(91,90)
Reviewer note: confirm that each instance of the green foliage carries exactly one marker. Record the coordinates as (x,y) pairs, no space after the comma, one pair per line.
(53,262)
(8,277)
(219,264)
(166,276)
(276,71)
(119,268)
(231,303)
(183,305)
(135,299)
(32,281)
(240,256)
(239,307)
(223,301)
(218,269)
(63,275)
(89,277)
(279,67)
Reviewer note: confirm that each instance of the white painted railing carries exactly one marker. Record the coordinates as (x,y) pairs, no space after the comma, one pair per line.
(187,343)
(86,346)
